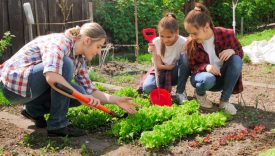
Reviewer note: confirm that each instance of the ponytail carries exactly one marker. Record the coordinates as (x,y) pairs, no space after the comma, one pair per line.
(168,22)
(198,17)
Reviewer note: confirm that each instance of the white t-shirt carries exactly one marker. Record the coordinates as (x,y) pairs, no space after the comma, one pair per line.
(209,47)
(172,53)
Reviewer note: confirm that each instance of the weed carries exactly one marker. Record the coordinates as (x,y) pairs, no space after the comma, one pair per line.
(2,151)
(3,100)
(50,147)
(84,150)
(66,141)
(27,139)
(96,76)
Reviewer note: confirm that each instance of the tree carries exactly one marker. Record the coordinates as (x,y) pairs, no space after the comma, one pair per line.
(234,5)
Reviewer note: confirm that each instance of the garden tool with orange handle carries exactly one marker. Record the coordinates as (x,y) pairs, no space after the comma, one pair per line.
(158,96)
(86,100)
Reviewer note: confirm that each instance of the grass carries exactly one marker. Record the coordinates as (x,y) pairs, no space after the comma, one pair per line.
(270,152)
(257,36)
(3,100)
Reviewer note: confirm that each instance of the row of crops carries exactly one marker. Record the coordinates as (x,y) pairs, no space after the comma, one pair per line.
(152,126)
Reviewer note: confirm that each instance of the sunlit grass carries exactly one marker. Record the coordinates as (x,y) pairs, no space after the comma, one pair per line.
(257,36)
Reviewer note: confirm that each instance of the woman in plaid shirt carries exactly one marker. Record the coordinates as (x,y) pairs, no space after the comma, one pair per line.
(29,76)
(215,58)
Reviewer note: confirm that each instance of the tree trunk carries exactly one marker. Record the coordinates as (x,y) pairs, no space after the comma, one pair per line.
(188,6)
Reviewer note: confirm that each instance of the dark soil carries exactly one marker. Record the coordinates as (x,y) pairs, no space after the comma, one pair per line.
(256,105)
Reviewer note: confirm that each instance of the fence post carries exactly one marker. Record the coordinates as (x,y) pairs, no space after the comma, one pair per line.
(30,19)
(136,27)
(91,11)
(242,26)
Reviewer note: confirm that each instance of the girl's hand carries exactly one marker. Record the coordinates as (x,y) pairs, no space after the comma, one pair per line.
(171,67)
(93,101)
(152,48)
(127,104)
(214,70)
(225,54)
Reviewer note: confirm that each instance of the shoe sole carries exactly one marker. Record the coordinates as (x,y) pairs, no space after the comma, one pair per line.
(26,115)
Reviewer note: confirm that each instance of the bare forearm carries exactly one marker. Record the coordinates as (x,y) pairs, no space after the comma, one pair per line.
(105,98)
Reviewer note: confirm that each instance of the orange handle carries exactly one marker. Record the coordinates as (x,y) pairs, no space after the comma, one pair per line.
(82,98)
(87,100)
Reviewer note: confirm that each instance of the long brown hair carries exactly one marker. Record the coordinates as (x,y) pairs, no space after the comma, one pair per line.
(198,17)
(168,22)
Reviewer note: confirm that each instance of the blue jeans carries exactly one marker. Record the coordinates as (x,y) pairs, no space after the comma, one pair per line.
(230,73)
(180,75)
(44,99)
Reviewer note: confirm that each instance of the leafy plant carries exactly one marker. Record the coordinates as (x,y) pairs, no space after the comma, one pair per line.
(3,100)
(84,150)
(5,42)
(127,91)
(147,118)
(180,126)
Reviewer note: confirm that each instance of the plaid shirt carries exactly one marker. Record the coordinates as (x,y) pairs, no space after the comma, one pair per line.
(224,39)
(49,50)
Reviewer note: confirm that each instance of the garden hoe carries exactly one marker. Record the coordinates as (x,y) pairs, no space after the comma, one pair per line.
(87,100)
(158,96)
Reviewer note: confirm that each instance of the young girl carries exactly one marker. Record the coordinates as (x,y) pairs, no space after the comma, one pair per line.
(171,62)
(215,58)
(29,76)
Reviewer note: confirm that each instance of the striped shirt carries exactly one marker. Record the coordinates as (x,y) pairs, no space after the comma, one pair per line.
(49,50)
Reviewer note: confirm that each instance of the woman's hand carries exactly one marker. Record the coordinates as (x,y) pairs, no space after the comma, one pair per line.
(226,54)
(212,69)
(127,104)
(93,101)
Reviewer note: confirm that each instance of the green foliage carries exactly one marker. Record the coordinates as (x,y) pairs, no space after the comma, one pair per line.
(97,77)
(127,91)
(100,87)
(180,126)
(26,141)
(84,150)
(123,79)
(257,36)
(270,152)
(87,118)
(255,13)
(148,117)
(117,17)
(3,100)
(145,58)
(5,42)
(246,59)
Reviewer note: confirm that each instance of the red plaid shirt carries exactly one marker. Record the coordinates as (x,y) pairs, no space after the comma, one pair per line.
(224,39)
(49,50)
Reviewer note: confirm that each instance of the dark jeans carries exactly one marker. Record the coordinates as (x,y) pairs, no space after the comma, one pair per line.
(44,99)
(180,75)
(230,73)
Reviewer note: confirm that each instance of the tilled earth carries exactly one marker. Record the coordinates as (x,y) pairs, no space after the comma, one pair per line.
(256,106)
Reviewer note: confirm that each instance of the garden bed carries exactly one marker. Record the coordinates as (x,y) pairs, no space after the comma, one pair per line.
(256,108)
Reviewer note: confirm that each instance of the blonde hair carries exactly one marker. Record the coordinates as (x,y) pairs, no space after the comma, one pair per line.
(92,30)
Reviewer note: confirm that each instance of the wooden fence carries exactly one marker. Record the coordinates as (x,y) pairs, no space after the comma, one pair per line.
(12,18)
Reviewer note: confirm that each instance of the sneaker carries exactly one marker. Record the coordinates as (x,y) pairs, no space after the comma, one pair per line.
(181,97)
(229,108)
(40,121)
(69,131)
(203,101)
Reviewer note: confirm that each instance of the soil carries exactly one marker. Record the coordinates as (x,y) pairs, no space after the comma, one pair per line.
(256,105)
